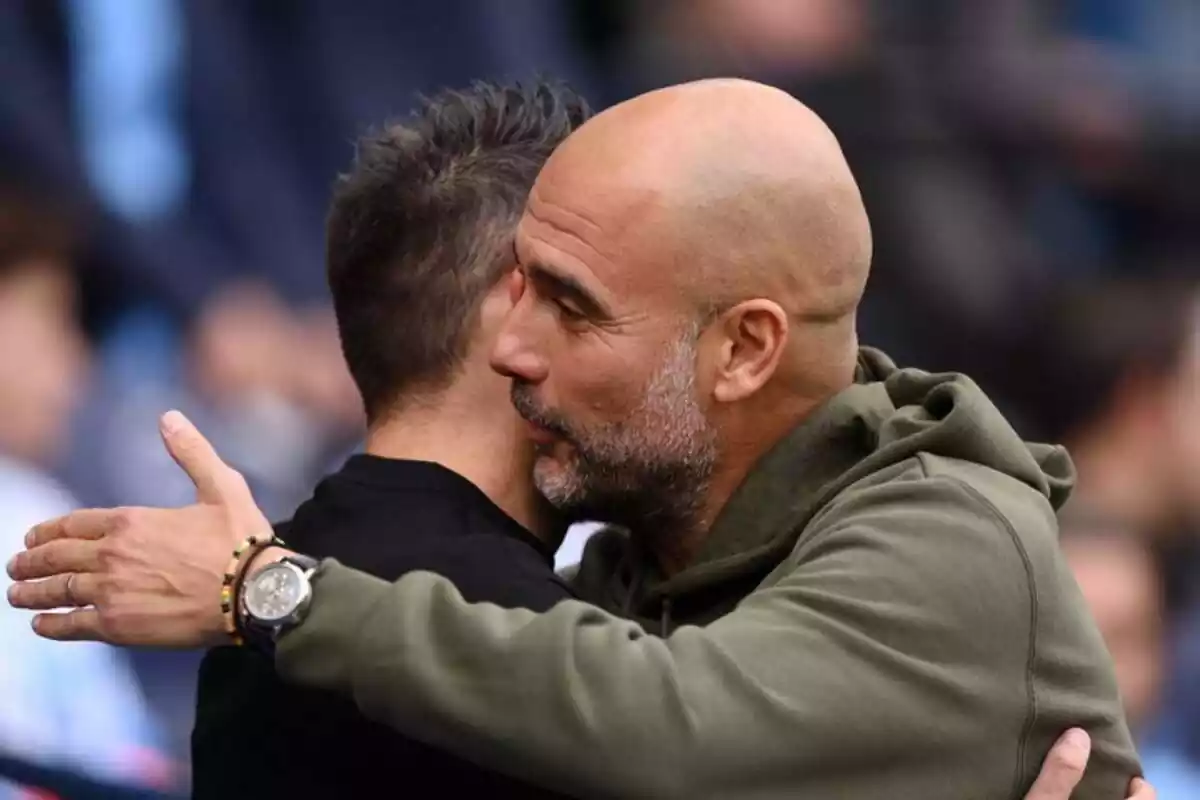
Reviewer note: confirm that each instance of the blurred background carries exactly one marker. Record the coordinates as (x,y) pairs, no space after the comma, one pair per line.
(1030,167)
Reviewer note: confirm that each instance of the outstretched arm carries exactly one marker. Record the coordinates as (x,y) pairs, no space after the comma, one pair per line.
(658,716)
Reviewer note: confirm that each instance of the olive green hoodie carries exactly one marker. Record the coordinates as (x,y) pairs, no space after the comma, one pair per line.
(880,611)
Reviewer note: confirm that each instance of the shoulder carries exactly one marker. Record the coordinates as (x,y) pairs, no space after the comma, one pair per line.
(1020,505)
(915,573)
(926,541)
(954,569)
(957,507)
(1026,518)
(942,493)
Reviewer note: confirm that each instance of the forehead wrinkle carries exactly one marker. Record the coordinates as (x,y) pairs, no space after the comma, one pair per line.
(531,252)
(547,223)
(544,211)
(535,197)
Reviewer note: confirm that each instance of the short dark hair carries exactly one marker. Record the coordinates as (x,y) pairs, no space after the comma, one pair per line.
(420,228)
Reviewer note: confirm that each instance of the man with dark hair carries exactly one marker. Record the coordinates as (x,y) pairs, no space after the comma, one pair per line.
(419,239)
(421,230)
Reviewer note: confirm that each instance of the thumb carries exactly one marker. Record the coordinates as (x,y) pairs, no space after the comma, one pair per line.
(1063,768)
(216,482)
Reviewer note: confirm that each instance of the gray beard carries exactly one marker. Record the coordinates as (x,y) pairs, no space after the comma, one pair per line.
(651,471)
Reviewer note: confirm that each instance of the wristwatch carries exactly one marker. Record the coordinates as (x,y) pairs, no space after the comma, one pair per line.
(276,598)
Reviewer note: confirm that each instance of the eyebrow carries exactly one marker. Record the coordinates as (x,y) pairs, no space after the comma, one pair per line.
(566,287)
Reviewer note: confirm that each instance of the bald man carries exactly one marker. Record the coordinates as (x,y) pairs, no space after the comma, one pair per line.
(843,576)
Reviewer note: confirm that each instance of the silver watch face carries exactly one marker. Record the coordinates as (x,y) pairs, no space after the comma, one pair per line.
(274,593)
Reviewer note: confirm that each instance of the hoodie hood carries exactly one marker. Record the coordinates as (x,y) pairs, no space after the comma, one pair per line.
(888,416)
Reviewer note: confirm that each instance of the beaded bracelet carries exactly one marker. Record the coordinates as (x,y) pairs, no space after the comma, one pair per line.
(231,581)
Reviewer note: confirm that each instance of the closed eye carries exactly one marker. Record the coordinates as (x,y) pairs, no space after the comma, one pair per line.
(568,311)
(569,296)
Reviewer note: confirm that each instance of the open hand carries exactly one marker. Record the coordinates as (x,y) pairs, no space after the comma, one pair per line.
(141,576)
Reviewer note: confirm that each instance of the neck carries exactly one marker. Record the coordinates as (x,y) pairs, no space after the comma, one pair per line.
(489,450)
(749,438)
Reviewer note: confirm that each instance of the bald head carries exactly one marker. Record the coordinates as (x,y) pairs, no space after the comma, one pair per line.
(689,266)
(735,189)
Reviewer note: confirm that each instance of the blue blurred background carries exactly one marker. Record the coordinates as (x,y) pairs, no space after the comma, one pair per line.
(1030,167)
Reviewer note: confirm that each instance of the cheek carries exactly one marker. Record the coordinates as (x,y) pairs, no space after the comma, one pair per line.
(599,380)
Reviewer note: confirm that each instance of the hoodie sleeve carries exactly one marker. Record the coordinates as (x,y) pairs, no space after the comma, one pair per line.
(888,657)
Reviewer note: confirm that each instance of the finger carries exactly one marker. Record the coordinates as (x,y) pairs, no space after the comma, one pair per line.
(1063,767)
(1142,790)
(216,481)
(73,626)
(55,592)
(89,523)
(54,558)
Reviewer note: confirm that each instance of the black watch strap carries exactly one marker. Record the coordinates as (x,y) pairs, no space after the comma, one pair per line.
(305,563)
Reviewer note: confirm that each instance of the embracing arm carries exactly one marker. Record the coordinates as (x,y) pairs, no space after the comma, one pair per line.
(846,677)
(850,675)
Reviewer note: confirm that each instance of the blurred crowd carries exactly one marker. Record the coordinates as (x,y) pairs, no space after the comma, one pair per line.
(1031,168)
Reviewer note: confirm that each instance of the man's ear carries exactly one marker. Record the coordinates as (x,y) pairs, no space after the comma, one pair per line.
(753,335)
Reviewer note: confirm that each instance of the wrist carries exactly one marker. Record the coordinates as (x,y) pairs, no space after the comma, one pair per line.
(235,576)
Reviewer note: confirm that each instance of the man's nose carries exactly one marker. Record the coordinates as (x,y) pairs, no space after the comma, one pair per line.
(515,354)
